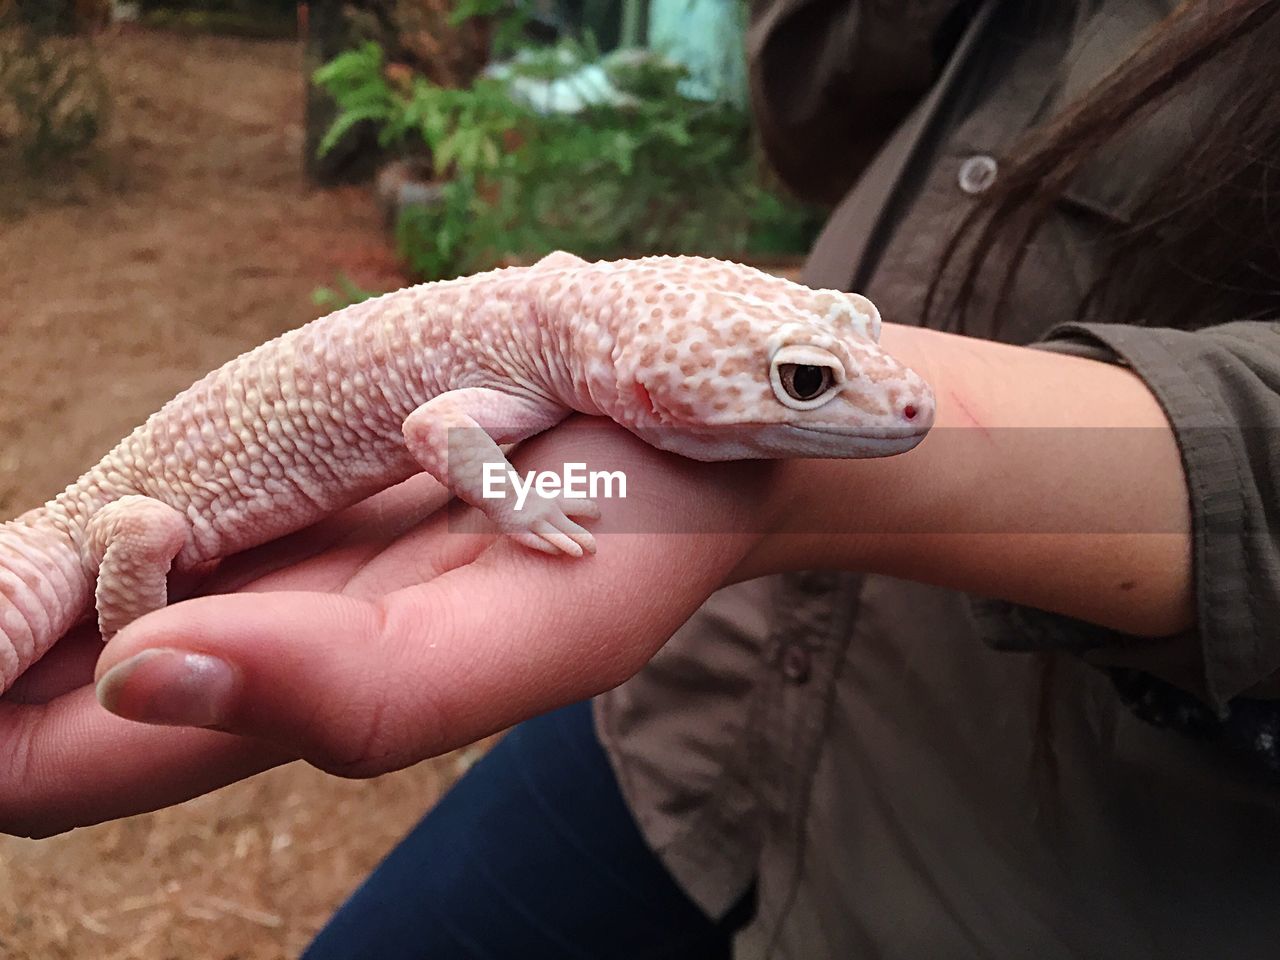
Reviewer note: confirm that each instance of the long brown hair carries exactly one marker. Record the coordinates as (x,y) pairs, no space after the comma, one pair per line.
(1201,246)
(1204,242)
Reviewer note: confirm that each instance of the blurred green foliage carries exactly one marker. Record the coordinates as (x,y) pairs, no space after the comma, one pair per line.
(53,98)
(239,6)
(641,170)
(344,293)
(246,18)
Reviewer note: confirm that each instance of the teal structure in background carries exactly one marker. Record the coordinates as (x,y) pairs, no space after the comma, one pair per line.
(706,36)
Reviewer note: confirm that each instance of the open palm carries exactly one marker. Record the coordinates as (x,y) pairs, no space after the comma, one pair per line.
(389,633)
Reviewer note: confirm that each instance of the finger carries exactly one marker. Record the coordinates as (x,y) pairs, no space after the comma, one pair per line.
(324,555)
(360,687)
(439,544)
(69,763)
(187,582)
(67,666)
(448,539)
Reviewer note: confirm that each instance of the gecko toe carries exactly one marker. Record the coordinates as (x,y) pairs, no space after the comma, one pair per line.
(536,541)
(578,533)
(550,530)
(562,541)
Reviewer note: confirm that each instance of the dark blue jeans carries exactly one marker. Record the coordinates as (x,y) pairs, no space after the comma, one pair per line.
(533,855)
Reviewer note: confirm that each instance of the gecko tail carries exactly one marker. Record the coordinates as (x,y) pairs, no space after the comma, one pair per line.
(44,590)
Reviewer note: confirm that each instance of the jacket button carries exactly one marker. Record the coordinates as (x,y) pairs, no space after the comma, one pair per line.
(795,664)
(977,174)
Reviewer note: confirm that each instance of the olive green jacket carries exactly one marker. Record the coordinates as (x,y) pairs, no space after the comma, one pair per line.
(904,771)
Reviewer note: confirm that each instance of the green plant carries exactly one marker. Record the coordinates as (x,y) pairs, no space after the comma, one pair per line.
(345,293)
(269,7)
(256,19)
(780,226)
(636,169)
(510,16)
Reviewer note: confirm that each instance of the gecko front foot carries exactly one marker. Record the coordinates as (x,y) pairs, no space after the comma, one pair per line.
(545,525)
(456,435)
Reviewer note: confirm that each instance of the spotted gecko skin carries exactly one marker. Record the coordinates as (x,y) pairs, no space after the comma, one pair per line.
(694,356)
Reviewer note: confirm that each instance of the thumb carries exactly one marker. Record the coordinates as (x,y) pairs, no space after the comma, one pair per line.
(360,687)
(311,671)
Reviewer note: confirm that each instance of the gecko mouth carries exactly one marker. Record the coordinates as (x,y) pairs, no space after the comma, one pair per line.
(867,441)
(867,433)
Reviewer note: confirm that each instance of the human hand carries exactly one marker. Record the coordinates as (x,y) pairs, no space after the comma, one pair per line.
(390,633)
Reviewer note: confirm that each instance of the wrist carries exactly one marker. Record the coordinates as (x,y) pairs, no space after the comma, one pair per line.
(852,514)
(1048,480)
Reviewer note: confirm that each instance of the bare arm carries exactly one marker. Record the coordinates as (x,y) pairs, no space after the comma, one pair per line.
(379,638)
(1049,480)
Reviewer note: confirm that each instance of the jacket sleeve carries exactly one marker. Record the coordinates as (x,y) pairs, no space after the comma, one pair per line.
(1220,389)
(831,79)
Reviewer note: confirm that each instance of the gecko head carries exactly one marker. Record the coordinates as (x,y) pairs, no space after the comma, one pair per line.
(763,379)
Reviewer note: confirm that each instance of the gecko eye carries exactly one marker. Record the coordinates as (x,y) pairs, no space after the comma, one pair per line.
(805,377)
(804,381)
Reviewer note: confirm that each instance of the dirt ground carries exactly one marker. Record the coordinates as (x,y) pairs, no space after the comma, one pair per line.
(196,239)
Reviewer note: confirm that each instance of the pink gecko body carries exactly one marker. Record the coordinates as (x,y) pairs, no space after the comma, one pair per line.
(705,358)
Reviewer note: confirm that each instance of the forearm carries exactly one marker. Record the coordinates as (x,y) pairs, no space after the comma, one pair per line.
(1048,480)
